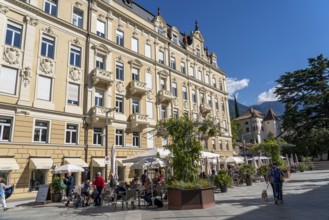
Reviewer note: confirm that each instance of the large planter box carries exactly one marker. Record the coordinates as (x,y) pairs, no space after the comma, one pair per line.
(191,199)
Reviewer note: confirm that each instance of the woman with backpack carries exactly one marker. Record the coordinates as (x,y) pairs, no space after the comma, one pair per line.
(3,186)
(277,183)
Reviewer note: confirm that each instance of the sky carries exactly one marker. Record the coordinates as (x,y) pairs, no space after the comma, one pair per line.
(256,41)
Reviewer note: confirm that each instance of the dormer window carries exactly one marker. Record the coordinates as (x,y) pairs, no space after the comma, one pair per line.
(175,39)
(159,30)
(214,61)
(198,53)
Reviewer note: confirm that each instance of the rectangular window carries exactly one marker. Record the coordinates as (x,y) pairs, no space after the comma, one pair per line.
(199,75)
(220,145)
(161,57)
(202,98)
(119,104)
(135,139)
(149,81)
(148,51)
(77,17)
(174,39)
(41,131)
(100,62)
(207,79)
(163,83)
(149,109)
(134,44)
(213,144)
(227,146)
(14,34)
(100,31)
(51,7)
(75,56)
(119,38)
(182,67)
(119,138)
(206,144)
(220,85)
(174,89)
(209,100)
(191,71)
(184,93)
(216,104)
(73,94)
(135,105)
(198,53)
(44,88)
(135,74)
(223,106)
(5,129)
(163,111)
(119,71)
(173,62)
(175,114)
(8,80)
(214,62)
(48,47)
(214,82)
(99,94)
(98,136)
(71,134)
(193,96)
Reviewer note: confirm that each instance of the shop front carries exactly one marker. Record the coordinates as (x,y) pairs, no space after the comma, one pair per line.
(39,171)
(78,177)
(7,165)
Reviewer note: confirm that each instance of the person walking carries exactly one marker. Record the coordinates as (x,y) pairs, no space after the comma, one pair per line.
(270,178)
(100,185)
(69,182)
(277,182)
(3,186)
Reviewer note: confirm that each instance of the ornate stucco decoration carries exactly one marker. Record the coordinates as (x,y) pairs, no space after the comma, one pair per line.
(136,62)
(4,9)
(11,55)
(135,33)
(31,21)
(195,107)
(49,30)
(75,74)
(120,87)
(150,95)
(76,41)
(26,76)
(47,66)
(185,105)
(175,102)
(78,5)
(110,15)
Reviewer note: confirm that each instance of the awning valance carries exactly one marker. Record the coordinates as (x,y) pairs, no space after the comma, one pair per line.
(41,163)
(8,164)
(98,162)
(75,161)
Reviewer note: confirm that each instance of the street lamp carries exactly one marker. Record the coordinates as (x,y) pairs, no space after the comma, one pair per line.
(106,140)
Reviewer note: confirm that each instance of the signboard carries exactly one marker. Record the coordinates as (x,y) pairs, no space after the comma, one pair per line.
(107,159)
(43,194)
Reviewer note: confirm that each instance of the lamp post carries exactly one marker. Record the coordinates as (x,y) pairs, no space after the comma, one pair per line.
(106,139)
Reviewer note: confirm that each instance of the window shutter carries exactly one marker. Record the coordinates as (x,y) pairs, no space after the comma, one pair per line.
(149,83)
(44,88)
(101,27)
(161,55)
(149,109)
(134,44)
(73,93)
(148,50)
(8,77)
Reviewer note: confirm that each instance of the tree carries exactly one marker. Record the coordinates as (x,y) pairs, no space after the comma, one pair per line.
(306,95)
(271,146)
(236,130)
(237,112)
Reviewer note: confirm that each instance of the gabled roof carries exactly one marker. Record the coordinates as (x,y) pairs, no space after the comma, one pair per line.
(250,113)
(271,116)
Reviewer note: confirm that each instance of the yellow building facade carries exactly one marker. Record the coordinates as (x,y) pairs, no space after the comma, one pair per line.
(64,64)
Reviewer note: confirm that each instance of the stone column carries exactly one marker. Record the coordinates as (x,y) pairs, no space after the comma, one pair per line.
(26,73)
(3,25)
(109,25)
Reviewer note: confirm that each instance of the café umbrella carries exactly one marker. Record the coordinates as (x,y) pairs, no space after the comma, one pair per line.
(69,168)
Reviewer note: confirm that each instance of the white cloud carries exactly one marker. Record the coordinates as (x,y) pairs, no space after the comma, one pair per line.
(234,85)
(268,96)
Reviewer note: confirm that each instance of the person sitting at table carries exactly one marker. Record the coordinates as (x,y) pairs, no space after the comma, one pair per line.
(160,179)
(135,182)
(148,192)
(120,190)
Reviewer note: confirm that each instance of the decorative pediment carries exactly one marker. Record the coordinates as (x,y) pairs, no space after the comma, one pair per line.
(78,5)
(198,36)
(49,30)
(76,41)
(160,22)
(163,73)
(101,47)
(202,89)
(102,18)
(135,62)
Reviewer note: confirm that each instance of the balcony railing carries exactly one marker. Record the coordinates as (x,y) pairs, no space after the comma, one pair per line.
(99,114)
(205,108)
(138,120)
(165,96)
(102,76)
(137,87)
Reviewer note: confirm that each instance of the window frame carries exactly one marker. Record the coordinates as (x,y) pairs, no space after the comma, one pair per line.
(182,67)
(148,51)
(71,133)
(99,32)
(119,137)
(11,90)
(49,43)
(135,74)
(135,105)
(119,104)
(50,89)
(73,102)
(164,111)
(136,139)
(161,55)
(98,136)
(52,3)
(134,48)
(98,98)
(184,93)
(3,125)
(173,63)
(75,56)
(119,37)
(174,89)
(77,17)
(119,71)
(41,128)
(16,31)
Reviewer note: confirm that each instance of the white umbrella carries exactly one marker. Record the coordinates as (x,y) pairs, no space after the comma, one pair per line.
(218,164)
(260,163)
(233,160)
(113,161)
(149,163)
(154,152)
(206,154)
(69,168)
(254,164)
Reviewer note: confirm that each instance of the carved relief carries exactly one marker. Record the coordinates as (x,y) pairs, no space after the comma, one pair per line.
(149,95)
(75,74)
(26,76)
(175,102)
(78,5)
(31,21)
(120,87)
(3,9)
(76,41)
(49,30)
(47,66)
(11,55)
(110,15)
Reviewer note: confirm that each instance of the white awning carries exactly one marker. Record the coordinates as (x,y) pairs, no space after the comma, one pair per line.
(41,163)
(75,161)
(8,164)
(98,162)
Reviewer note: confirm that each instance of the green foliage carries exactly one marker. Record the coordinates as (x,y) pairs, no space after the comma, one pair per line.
(178,184)
(284,167)
(263,170)
(306,95)
(222,180)
(247,170)
(185,147)
(302,166)
(271,146)
(57,185)
(236,129)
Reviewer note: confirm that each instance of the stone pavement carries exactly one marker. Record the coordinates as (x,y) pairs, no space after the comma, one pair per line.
(306,196)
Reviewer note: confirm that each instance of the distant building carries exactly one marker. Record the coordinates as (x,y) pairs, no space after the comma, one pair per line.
(256,126)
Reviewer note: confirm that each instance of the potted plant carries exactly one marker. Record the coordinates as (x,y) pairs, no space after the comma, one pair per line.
(263,171)
(301,166)
(185,189)
(223,181)
(285,169)
(247,172)
(57,187)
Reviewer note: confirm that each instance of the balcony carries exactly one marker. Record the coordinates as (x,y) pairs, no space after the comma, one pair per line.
(205,108)
(100,76)
(165,96)
(99,114)
(138,120)
(137,88)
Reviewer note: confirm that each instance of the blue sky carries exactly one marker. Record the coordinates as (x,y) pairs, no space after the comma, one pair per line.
(255,40)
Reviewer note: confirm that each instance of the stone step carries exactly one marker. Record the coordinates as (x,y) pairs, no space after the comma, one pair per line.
(321,165)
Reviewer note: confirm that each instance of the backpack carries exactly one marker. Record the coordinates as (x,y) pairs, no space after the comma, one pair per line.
(1,191)
(277,175)
(158,203)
